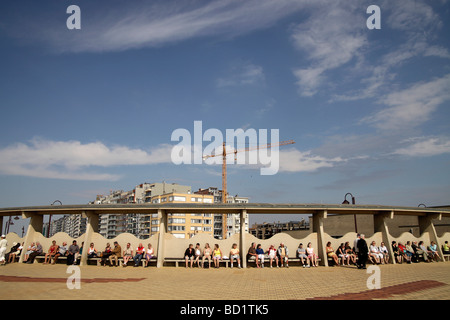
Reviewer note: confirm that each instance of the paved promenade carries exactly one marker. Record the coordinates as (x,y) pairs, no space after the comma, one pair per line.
(38,281)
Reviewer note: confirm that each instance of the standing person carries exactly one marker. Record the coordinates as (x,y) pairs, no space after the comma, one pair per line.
(234,254)
(116,253)
(72,256)
(52,251)
(283,252)
(355,244)
(3,245)
(363,252)
(140,250)
(207,252)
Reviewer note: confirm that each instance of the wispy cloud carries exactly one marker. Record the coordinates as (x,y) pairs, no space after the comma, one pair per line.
(293,160)
(412,106)
(242,75)
(73,159)
(330,38)
(140,24)
(425,146)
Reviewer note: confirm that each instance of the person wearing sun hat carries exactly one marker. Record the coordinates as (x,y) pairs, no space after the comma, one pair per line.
(3,245)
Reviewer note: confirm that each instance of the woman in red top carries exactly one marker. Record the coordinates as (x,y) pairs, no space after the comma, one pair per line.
(403,252)
(140,250)
(51,252)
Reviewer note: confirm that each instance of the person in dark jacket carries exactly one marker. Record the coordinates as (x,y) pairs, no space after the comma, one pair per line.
(363,252)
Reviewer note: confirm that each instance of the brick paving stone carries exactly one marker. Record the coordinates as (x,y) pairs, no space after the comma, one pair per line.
(37,281)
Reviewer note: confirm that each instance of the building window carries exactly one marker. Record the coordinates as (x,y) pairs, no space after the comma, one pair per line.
(175,228)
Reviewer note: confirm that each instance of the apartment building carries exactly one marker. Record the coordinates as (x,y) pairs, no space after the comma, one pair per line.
(111,225)
(183,225)
(232,221)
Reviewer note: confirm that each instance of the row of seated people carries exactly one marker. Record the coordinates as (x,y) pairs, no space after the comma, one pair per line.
(410,252)
(205,257)
(73,252)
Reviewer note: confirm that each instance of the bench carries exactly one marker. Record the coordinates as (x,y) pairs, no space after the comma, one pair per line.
(177,261)
(267,260)
(97,260)
(120,261)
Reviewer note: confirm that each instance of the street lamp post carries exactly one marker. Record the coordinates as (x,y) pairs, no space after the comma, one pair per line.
(50,218)
(353,202)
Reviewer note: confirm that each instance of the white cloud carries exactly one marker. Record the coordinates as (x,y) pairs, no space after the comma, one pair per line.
(135,25)
(293,160)
(423,147)
(248,74)
(73,160)
(411,107)
(330,38)
(414,25)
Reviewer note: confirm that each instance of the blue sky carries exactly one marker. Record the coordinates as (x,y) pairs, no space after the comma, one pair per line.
(92,110)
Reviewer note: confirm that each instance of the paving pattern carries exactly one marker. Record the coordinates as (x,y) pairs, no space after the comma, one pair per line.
(415,281)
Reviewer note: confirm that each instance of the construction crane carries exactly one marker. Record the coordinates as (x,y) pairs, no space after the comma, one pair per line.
(224,155)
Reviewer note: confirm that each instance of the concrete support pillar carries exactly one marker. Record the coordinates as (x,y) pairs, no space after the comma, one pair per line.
(318,228)
(242,250)
(91,227)
(162,216)
(35,226)
(426,225)
(380,225)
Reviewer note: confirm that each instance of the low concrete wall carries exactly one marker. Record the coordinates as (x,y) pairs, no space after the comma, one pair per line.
(175,248)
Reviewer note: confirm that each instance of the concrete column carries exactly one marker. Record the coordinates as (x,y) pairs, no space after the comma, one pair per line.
(318,228)
(35,226)
(426,225)
(242,250)
(91,227)
(162,215)
(380,225)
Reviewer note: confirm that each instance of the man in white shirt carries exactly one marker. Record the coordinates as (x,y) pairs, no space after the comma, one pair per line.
(3,245)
